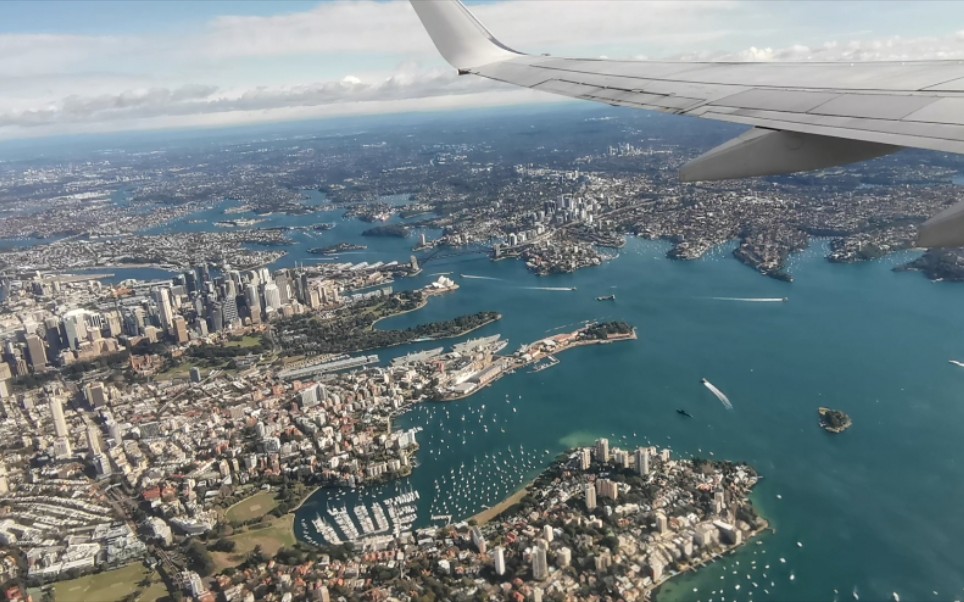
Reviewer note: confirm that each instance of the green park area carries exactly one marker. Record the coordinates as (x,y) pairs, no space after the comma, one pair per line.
(269,536)
(132,582)
(251,507)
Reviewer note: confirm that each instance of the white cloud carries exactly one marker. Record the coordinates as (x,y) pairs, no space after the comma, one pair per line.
(355,55)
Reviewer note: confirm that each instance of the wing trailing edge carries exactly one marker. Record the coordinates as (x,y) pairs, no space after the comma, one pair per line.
(762,152)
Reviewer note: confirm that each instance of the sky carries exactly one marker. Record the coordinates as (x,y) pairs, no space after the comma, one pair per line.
(71,67)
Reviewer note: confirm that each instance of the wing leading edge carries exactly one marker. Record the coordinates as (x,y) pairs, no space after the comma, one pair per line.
(804,115)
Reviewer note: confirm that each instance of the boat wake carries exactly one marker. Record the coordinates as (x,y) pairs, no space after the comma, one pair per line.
(471,277)
(753,299)
(956,363)
(719,394)
(549,288)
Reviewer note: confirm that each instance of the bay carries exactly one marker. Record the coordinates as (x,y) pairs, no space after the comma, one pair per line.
(874,508)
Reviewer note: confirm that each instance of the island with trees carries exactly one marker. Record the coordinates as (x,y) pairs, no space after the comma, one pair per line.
(834,421)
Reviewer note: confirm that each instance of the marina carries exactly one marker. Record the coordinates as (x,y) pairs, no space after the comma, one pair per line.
(368,525)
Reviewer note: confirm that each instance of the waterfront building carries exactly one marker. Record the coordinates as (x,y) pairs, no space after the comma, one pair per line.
(585,458)
(642,461)
(478,540)
(602,451)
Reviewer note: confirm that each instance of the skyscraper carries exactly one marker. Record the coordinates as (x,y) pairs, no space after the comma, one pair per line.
(162,297)
(498,556)
(180,330)
(75,329)
(642,461)
(229,311)
(540,566)
(602,451)
(585,458)
(590,497)
(36,354)
(272,296)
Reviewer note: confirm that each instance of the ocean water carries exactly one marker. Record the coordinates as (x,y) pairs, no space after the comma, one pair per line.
(876,508)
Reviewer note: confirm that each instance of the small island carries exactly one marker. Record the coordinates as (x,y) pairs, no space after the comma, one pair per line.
(341,247)
(834,421)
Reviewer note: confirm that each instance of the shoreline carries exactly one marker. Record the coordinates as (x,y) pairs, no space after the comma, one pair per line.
(695,568)
(522,364)
(496,510)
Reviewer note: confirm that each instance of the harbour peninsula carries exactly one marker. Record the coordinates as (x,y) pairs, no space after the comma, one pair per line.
(597,522)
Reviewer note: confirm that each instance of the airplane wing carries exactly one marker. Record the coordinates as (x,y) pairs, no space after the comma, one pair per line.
(804,115)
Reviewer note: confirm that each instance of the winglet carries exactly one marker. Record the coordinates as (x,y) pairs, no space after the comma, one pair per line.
(460,38)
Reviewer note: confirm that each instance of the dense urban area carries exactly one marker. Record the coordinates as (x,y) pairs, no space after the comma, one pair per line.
(158,434)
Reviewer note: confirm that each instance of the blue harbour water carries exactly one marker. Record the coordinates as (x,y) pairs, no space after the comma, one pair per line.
(876,508)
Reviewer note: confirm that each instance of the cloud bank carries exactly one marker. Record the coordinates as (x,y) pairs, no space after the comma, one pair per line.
(359,56)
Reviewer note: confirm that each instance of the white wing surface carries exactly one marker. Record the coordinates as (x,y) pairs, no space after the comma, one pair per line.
(804,115)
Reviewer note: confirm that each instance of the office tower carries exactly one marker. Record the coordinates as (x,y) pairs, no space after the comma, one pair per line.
(215,317)
(75,330)
(36,353)
(95,395)
(162,297)
(229,312)
(180,333)
(52,334)
(272,297)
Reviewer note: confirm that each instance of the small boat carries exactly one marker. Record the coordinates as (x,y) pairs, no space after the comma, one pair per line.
(683,412)
(606,298)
